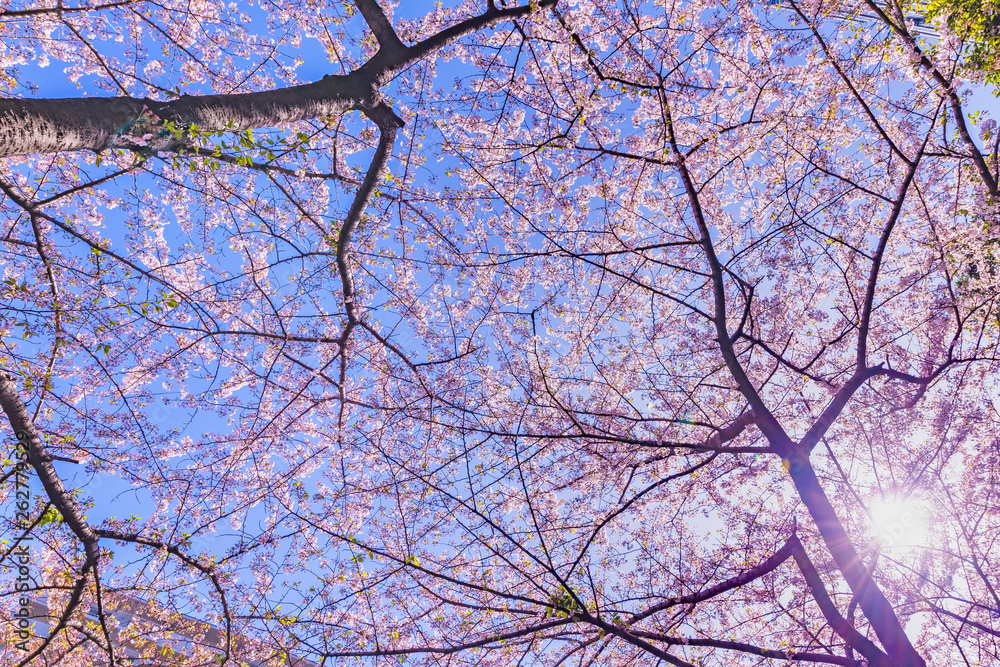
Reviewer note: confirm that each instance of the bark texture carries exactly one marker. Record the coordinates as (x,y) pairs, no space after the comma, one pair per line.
(50,126)
(44,126)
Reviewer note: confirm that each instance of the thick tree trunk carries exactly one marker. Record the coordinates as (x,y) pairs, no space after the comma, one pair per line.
(876,607)
(29,127)
(40,459)
(50,126)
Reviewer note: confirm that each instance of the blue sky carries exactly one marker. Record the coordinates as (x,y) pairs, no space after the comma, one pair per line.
(115,496)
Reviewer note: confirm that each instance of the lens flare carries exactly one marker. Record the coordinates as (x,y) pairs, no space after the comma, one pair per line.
(899,522)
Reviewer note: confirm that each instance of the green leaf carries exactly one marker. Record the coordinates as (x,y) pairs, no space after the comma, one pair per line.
(51,515)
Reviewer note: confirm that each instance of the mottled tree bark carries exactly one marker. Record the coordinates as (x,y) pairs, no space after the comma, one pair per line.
(56,125)
(46,126)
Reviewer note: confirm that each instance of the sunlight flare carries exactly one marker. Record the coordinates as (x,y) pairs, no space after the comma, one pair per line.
(899,522)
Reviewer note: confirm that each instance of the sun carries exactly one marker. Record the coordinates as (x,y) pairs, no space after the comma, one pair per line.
(899,522)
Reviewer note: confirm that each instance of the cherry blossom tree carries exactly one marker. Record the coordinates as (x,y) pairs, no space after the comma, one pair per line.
(541,333)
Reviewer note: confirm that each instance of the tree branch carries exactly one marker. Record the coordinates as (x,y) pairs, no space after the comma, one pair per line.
(966,621)
(743,578)
(873,602)
(855,639)
(766,421)
(207,570)
(750,648)
(40,459)
(380,25)
(30,126)
(445,650)
(947,91)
